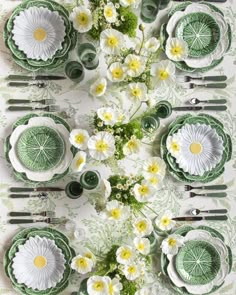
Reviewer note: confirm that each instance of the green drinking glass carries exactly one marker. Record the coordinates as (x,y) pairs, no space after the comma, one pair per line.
(88,56)
(164,4)
(149,10)
(74,71)
(74,190)
(150,123)
(90,179)
(163,109)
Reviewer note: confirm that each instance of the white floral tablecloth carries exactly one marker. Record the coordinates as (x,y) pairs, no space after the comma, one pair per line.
(74,99)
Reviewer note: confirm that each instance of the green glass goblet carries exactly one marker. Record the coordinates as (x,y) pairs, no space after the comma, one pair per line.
(74,71)
(90,179)
(150,123)
(163,109)
(74,190)
(149,10)
(88,56)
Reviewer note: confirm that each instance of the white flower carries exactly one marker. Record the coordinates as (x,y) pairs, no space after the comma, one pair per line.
(154,166)
(79,161)
(123,117)
(85,252)
(152,44)
(133,3)
(117,211)
(98,88)
(101,146)
(132,271)
(142,245)
(82,19)
(114,286)
(154,180)
(173,144)
(79,138)
(144,291)
(132,146)
(110,12)
(143,192)
(111,41)
(82,264)
(108,115)
(97,285)
(137,92)
(176,49)
(162,72)
(105,188)
(165,223)
(134,65)
(171,244)
(142,227)
(125,254)
(116,73)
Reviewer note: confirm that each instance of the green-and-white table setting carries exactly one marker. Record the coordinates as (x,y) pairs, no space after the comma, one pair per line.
(117,160)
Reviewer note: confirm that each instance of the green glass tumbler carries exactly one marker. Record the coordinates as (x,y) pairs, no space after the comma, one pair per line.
(88,56)
(163,109)
(150,123)
(90,179)
(74,190)
(74,71)
(164,4)
(149,10)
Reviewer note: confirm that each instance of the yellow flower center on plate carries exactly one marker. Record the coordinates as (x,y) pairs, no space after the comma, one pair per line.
(134,65)
(115,213)
(82,19)
(117,73)
(112,41)
(176,50)
(163,74)
(79,138)
(175,147)
(101,146)
(195,148)
(141,226)
(98,286)
(125,254)
(40,261)
(172,242)
(82,263)
(108,12)
(40,34)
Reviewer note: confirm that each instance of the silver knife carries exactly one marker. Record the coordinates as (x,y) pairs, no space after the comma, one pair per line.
(36,189)
(33,78)
(198,218)
(200,108)
(216,1)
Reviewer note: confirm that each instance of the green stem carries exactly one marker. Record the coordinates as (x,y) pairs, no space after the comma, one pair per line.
(136,110)
(151,209)
(141,47)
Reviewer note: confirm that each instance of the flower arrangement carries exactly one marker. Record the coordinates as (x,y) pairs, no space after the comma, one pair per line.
(98,15)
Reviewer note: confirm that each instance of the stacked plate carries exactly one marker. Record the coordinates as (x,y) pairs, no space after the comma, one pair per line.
(196,148)
(206,32)
(201,264)
(39,149)
(38,261)
(39,35)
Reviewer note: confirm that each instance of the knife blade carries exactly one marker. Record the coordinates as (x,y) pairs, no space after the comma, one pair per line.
(200,108)
(216,1)
(36,189)
(33,78)
(198,218)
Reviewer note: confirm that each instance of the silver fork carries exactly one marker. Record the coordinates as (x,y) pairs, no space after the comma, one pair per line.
(26,84)
(51,108)
(49,220)
(42,101)
(43,213)
(206,187)
(208,85)
(183,79)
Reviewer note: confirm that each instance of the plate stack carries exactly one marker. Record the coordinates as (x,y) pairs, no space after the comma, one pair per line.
(39,35)
(201,264)
(204,28)
(38,148)
(196,148)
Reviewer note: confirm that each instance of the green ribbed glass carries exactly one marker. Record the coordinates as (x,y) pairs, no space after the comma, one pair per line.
(89,180)
(150,123)
(74,71)
(88,56)
(74,190)
(163,109)
(149,10)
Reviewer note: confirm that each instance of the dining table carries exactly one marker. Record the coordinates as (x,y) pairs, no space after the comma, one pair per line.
(82,224)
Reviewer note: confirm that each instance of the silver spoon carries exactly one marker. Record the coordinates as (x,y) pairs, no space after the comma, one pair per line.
(195,101)
(197,211)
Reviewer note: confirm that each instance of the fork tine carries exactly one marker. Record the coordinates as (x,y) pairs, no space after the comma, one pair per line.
(187,188)
(53,108)
(182,79)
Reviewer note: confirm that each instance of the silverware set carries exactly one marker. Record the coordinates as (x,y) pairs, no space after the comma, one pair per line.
(49,220)
(200,108)
(206,79)
(49,108)
(216,1)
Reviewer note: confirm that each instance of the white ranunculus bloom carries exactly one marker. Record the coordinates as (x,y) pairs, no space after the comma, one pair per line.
(117,211)
(79,138)
(132,146)
(125,254)
(133,3)
(142,245)
(162,72)
(142,227)
(143,192)
(85,252)
(115,72)
(82,19)
(108,115)
(137,92)
(114,286)
(110,12)
(173,144)
(144,291)
(176,49)
(165,223)
(111,41)
(152,44)
(82,264)
(134,65)
(79,161)
(101,146)
(132,271)
(154,166)
(98,88)
(171,244)
(98,285)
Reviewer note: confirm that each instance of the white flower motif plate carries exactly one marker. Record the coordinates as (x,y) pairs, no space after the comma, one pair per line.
(201,148)
(40,176)
(222,46)
(39,32)
(221,248)
(39,264)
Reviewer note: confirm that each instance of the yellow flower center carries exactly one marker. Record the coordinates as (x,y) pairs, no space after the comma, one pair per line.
(125,254)
(141,226)
(153,168)
(141,246)
(175,147)
(40,34)
(40,261)
(115,213)
(165,221)
(176,50)
(108,12)
(134,65)
(131,269)
(88,255)
(132,144)
(82,19)
(100,88)
(163,74)
(107,116)
(195,148)
(112,41)
(172,242)
(79,162)
(154,180)
(82,263)
(130,1)
(101,146)
(79,138)
(137,92)
(143,190)
(98,286)
(117,73)
(110,289)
